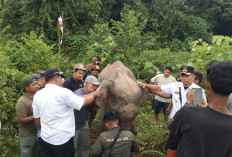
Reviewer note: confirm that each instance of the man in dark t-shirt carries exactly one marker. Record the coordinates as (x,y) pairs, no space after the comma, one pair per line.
(205,132)
(75,81)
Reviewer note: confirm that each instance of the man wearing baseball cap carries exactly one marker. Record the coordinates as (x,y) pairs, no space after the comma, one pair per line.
(53,112)
(29,146)
(75,81)
(81,139)
(177,90)
(40,78)
(205,132)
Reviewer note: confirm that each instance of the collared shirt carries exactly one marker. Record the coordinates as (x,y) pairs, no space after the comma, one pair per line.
(72,84)
(54,106)
(81,116)
(173,89)
(24,109)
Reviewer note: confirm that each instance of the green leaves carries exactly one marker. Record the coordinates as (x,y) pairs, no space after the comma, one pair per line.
(30,53)
(203,53)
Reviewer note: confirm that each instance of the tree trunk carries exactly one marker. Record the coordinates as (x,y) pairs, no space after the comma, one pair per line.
(4,3)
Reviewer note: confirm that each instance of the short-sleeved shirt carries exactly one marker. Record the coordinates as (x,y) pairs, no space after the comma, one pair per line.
(173,89)
(162,80)
(230,103)
(81,116)
(54,106)
(125,144)
(72,84)
(201,132)
(24,109)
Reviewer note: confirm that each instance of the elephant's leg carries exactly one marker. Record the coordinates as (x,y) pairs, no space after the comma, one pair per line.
(133,129)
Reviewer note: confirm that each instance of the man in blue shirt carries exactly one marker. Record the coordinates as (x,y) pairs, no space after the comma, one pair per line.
(81,139)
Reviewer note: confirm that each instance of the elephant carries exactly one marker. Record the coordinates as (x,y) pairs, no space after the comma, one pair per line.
(120,95)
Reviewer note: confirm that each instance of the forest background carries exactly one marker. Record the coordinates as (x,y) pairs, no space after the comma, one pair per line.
(146,35)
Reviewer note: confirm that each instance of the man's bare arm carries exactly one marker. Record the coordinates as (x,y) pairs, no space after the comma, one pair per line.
(37,122)
(25,120)
(149,86)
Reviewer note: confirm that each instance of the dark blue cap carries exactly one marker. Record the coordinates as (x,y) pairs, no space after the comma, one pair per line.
(53,71)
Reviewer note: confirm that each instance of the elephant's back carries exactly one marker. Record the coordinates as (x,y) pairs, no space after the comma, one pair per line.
(125,86)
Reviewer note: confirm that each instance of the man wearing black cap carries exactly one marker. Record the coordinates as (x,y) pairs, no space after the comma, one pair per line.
(40,78)
(177,90)
(29,146)
(53,112)
(41,82)
(205,132)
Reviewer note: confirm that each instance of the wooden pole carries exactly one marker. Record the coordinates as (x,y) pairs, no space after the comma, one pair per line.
(59,48)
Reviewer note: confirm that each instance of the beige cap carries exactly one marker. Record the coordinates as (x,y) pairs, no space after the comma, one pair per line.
(98,67)
(92,79)
(79,66)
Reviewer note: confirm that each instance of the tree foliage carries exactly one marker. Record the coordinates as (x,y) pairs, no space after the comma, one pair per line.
(146,35)
(203,53)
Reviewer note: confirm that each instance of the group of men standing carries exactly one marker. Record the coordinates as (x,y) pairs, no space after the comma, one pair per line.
(173,92)
(53,115)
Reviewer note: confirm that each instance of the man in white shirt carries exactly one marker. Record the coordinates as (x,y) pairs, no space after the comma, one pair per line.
(53,112)
(162,79)
(177,90)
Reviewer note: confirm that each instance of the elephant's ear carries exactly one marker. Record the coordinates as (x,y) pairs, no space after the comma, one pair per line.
(104,88)
(105,85)
(144,95)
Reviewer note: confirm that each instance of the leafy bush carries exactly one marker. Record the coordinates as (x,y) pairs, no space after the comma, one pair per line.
(10,84)
(30,53)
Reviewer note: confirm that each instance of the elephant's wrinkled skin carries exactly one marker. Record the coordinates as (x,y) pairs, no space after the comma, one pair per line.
(120,95)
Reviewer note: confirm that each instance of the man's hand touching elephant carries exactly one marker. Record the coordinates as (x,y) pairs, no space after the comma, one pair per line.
(143,85)
(98,92)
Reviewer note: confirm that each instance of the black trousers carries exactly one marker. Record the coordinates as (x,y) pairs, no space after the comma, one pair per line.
(64,150)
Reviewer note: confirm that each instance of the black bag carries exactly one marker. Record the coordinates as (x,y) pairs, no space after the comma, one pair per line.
(106,152)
